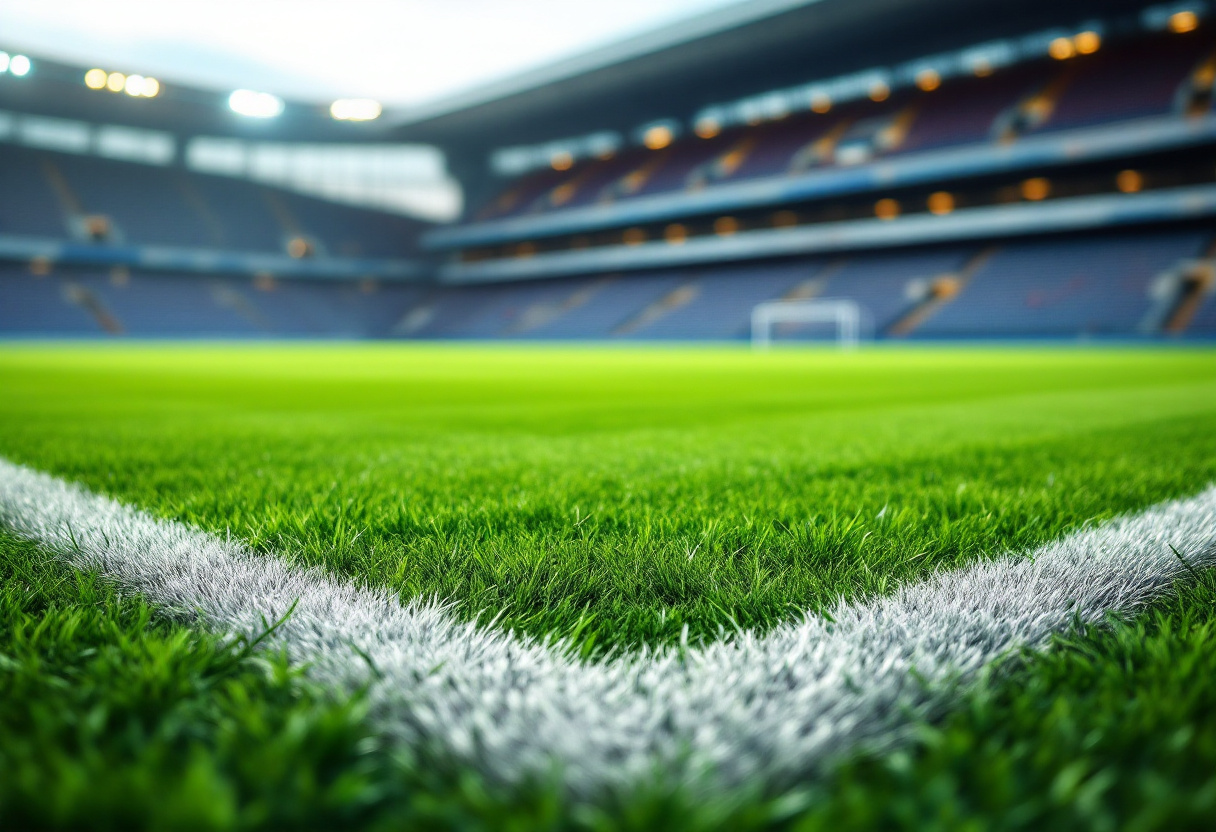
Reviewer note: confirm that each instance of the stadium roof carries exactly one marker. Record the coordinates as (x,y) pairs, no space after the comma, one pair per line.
(727,53)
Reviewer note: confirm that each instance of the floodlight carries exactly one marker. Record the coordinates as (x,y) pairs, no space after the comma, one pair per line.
(1129,181)
(95,79)
(887,209)
(255,104)
(658,137)
(1036,189)
(4,61)
(1087,43)
(19,65)
(675,234)
(1183,21)
(355,109)
(941,203)
(134,85)
(928,79)
(151,88)
(1062,49)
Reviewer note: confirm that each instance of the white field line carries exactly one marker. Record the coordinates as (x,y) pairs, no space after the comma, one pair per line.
(754,709)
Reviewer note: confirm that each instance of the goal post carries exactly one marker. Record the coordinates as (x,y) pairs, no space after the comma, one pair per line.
(844,313)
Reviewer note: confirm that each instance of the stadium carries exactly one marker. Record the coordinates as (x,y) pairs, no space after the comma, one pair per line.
(784,414)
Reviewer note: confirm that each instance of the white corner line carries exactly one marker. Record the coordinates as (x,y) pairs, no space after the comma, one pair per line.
(754,709)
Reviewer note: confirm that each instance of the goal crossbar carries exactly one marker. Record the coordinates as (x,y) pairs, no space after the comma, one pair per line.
(845,314)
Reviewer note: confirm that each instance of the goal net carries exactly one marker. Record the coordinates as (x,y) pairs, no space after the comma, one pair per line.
(843,315)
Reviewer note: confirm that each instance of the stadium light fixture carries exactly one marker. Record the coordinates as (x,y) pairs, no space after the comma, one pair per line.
(658,137)
(707,128)
(1061,49)
(136,86)
(5,60)
(1183,22)
(355,109)
(19,65)
(1129,181)
(1036,189)
(928,79)
(941,203)
(1087,43)
(253,104)
(886,209)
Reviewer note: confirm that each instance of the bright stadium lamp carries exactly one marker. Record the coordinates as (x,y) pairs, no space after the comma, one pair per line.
(19,65)
(355,109)
(255,104)
(5,60)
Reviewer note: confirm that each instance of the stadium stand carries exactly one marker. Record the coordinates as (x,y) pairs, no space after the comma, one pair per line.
(1134,80)
(1204,321)
(28,205)
(47,193)
(1097,286)
(89,303)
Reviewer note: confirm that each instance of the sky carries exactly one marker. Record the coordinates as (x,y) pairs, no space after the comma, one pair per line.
(401,52)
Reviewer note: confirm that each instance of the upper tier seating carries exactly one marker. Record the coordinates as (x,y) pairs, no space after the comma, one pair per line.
(1120,82)
(1131,82)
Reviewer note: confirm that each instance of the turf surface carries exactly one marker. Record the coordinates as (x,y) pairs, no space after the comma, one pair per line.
(614,496)
(620,495)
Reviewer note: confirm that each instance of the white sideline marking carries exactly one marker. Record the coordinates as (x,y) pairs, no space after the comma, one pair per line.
(755,709)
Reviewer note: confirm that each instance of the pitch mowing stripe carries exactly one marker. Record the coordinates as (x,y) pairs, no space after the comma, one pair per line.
(751,710)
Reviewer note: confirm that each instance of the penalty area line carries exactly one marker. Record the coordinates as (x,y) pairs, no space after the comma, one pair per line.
(753,709)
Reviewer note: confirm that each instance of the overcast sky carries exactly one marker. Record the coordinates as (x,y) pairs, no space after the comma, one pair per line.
(399,51)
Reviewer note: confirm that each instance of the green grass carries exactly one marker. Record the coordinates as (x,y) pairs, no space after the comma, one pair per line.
(620,494)
(616,496)
(1113,729)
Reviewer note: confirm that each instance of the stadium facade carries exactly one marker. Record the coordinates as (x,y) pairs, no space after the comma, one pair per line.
(955,170)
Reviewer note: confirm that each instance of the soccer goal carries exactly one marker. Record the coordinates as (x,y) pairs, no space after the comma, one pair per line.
(845,314)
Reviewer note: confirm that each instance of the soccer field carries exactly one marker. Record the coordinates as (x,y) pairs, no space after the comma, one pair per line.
(627,500)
